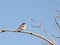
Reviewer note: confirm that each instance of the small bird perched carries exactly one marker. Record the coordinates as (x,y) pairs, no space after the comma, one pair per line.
(22,27)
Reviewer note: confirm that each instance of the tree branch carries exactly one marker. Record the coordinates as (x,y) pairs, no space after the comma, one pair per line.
(31,33)
(57,23)
(56,8)
(55,36)
(43,29)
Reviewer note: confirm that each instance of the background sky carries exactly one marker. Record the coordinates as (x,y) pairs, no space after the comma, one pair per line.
(14,12)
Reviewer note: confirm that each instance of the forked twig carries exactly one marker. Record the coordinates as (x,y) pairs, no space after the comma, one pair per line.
(43,29)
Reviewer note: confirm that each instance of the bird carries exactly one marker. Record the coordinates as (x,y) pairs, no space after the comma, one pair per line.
(22,27)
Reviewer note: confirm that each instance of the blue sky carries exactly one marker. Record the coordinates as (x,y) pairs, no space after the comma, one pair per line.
(14,12)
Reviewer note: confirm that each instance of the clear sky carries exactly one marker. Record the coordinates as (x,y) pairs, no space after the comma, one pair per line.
(14,12)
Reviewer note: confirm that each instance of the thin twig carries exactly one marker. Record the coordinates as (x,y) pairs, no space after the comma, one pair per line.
(55,36)
(43,29)
(31,19)
(56,8)
(56,27)
(57,23)
(31,33)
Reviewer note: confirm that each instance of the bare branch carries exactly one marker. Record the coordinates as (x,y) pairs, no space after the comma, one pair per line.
(57,23)
(31,33)
(55,36)
(38,26)
(58,16)
(56,8)
(31,19)
(43,29)
(56,26)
